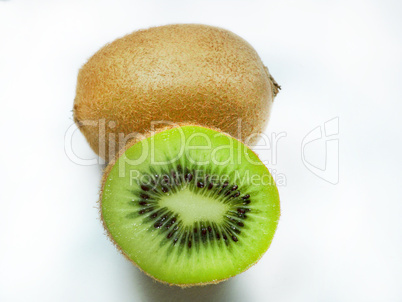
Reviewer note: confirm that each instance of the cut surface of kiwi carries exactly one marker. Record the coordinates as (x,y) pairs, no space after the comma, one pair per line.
(190,205)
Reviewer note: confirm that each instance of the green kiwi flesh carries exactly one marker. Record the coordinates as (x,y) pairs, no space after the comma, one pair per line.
(190,205)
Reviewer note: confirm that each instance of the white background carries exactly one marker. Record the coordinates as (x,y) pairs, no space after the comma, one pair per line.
(334,59)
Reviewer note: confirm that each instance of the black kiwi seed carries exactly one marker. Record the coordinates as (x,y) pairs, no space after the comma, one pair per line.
(240,224)
(237,194)
(240,210)
(200,184)
(234,238)
(173,231)
(247,201)
(144,196)
(145,187)
(189,177)
(158,224)
(143,203)
(209,229)
(210,186)
(165,189)
(165,180)
(227,193)
(225,184)
(234,188)
(247,196)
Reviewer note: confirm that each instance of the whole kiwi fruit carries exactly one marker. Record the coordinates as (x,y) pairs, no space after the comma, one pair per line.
(179,73)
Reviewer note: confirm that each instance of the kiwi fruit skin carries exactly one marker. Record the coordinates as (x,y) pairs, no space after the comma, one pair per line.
(183,73)
(113,162)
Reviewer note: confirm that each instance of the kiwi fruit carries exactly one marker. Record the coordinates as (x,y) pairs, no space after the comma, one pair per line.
(184,73)
(189,205)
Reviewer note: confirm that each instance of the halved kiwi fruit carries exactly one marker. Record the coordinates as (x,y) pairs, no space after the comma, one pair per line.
(190,205)
(183,73)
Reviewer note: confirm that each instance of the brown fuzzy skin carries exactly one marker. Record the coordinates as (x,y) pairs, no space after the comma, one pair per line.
(179,73)
(105,177)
